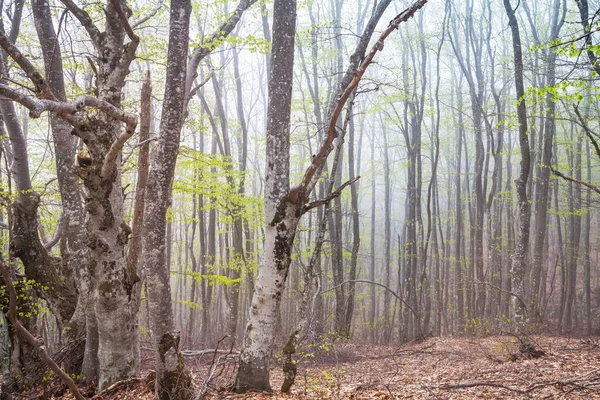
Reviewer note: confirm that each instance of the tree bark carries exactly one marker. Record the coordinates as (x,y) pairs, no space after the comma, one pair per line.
(522,242)
(172,378)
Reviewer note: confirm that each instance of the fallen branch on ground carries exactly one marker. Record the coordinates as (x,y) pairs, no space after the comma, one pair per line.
(587,382)
(194,353)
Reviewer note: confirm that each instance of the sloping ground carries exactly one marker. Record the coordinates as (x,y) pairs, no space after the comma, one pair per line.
(440,368)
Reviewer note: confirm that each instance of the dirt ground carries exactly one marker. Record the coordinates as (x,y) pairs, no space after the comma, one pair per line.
(438,368)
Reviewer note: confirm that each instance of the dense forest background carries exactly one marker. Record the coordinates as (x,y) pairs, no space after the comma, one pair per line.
(422,222)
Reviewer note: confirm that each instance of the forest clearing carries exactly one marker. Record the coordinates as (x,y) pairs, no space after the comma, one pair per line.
(348,198)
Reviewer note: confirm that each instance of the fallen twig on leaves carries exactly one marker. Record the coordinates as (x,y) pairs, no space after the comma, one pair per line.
(587,382)
(215,363)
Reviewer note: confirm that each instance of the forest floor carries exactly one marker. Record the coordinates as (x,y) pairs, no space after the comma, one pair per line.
(437,368)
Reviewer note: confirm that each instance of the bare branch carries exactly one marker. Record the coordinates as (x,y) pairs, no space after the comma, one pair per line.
(383,286)
(85,20)
(59,231)
(332,196)
(147,17)
(107,108)
(36,78)
(37,106)
(577,39)
(466,385)
(115,150)
(312,173)
(577,181)
(588,131)
(208,45)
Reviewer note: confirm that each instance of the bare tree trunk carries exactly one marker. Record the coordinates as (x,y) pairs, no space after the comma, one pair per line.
(284,207)
(543,183)
(373,298)
(522,243)
(172,378)
(587,289)
(280,213)
(353,172)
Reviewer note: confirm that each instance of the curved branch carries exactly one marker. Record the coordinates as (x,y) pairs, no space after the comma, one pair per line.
(59,231)
(383,286)
(151,14)
(107,108)
(115,150)
(577,181)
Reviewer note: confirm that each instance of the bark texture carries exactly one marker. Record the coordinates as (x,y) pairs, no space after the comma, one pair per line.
(172,378)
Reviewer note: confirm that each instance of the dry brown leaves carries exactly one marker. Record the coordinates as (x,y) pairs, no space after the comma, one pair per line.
(440,368)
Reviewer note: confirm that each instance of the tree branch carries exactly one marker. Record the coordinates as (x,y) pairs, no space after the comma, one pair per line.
(312,173)
(466,385)
(332,196)
(107,108)
(587,130)
(85,20)
(386,288)
(59,231)
(147,17)
(208,45)
(577,181)
(34,76)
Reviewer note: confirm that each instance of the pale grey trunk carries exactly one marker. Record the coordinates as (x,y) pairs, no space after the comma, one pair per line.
(172,378)
(281,214)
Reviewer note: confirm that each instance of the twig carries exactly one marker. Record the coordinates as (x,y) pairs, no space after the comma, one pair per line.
(212,369)
(502,291)
(587,130)
(466,385)
(585,35)
(139,144)
(151,14)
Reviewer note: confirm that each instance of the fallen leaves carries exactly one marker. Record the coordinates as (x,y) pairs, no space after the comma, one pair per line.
(441,368)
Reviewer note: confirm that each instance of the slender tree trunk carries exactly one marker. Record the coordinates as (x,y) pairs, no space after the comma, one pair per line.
(522,243)
(172,378)
(280,213)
